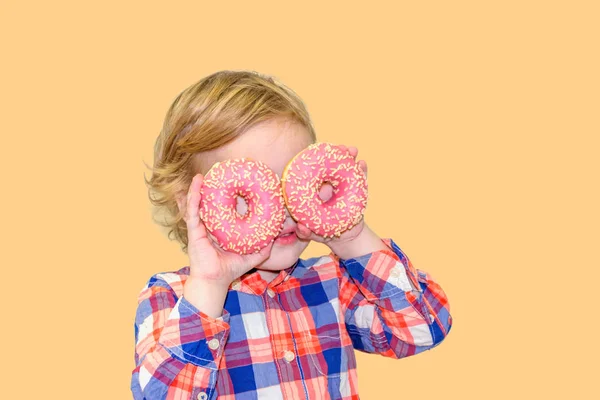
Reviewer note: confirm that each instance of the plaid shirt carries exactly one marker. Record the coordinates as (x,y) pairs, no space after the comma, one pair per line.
(292,338)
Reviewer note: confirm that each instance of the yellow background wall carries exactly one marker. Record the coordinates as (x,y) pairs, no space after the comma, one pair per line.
(479,122)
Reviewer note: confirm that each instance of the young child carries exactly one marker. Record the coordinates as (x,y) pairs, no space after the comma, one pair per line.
(269,325)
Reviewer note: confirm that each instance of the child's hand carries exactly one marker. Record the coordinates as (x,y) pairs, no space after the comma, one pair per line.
(326,192)
(208,261)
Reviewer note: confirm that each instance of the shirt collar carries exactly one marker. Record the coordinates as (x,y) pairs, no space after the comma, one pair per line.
(252,283)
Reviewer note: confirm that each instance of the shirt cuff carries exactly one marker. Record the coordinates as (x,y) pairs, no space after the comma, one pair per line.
(387,277)
(383,271)
(193,336)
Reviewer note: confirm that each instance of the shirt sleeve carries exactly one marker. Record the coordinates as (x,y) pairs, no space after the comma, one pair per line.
(390,307)
(177,347)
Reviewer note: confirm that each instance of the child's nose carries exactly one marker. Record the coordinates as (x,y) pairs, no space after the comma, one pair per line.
(241,206)
(326,191)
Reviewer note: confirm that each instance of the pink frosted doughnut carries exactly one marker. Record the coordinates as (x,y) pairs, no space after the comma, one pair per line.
(303,177)
(260,187)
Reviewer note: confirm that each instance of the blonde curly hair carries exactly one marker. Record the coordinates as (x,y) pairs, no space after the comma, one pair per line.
(208,114)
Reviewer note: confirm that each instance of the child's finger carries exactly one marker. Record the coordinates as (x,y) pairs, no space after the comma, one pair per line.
(254,259)
(196,229)
(263,254)
(363,165)
(353,151)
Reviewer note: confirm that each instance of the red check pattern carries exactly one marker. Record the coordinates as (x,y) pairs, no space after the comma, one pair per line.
(291,338)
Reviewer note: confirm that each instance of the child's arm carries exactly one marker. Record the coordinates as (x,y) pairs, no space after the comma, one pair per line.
(177,347)
(390,307)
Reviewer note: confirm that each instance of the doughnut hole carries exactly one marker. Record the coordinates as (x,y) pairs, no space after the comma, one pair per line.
(326,191)
(241,206)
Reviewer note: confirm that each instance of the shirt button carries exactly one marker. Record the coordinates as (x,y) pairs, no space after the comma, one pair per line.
(236,286)
(431,317)
(289,356)
(202,396)
(271,293)
(213,343)
(286,278)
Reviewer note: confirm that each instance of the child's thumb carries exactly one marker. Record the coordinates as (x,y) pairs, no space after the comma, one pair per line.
(262,255)
(302,231)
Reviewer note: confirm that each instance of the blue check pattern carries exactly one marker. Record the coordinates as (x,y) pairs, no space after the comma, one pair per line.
(292,338)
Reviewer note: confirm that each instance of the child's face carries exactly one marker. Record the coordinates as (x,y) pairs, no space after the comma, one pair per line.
(274,142)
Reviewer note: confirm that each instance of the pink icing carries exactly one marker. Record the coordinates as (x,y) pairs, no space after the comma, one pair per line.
(261,189)
(315,165)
